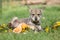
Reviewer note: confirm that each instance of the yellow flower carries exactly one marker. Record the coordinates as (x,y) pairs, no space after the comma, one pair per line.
(5,30)
(47,29)
(24,26)
(21,28)
(57,24)
(54,27)
(17,30)
(1,28)
(43,17)
(10,30)
(3,25)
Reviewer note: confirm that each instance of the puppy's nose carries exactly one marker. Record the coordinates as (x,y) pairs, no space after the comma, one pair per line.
(35,18)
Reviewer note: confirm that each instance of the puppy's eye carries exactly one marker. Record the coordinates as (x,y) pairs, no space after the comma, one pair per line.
(38,14)
(33,14)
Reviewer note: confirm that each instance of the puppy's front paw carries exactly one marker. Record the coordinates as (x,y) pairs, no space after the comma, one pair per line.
(40,28)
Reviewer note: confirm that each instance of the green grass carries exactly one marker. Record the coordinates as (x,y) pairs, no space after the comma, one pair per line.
(51,14)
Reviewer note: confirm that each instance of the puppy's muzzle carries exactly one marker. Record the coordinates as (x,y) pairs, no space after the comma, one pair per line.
(35,18)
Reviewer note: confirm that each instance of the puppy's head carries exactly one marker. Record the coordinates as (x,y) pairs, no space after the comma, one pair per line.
(35,14)
(13,23)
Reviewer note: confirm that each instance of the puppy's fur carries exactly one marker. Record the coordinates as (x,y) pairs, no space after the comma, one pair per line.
(33,20)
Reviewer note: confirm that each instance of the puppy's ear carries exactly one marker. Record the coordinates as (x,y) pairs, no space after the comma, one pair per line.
(42,8)
(40,11)
(30,10)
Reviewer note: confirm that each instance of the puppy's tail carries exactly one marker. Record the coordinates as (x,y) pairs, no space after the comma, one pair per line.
(14,19)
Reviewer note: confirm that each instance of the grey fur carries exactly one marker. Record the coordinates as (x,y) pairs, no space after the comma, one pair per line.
(32,20)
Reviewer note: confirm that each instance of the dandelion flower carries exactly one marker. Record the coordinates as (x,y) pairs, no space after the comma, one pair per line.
(1,28)
(57,24)
(43,17)
(3,25)
(21,28)
(47,29)
(5,30)
(10,30)
(17,29)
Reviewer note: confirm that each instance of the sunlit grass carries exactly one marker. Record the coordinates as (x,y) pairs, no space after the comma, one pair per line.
(51,14)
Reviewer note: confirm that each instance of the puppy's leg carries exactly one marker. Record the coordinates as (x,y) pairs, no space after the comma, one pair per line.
(39,28)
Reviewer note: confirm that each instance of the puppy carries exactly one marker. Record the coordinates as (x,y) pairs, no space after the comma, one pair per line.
(33,20)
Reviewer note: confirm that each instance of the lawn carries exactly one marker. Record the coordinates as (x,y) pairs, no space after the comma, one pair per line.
(50,15)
